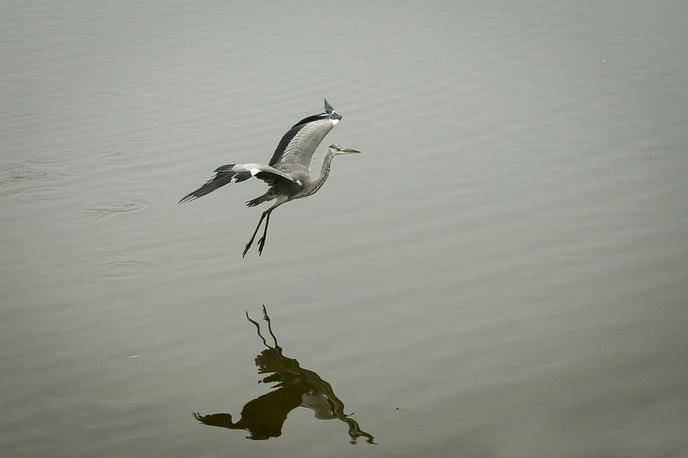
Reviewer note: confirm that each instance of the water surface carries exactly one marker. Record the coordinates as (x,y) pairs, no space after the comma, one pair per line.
(501,273)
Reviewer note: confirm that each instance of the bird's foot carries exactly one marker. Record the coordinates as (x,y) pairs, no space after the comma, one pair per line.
(261,244)
(248,245)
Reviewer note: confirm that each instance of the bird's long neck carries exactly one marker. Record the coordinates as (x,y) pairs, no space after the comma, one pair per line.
(324,173)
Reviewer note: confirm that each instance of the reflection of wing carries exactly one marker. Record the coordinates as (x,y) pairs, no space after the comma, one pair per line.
(223,420)
(295,151)
(263,416)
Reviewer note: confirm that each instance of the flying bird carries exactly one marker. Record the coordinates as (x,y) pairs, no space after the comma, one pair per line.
(288,173)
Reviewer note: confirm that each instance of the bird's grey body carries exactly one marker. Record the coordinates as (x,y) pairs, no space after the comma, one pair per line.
(288,173)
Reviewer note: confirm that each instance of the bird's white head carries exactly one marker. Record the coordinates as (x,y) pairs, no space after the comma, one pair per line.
(338,149)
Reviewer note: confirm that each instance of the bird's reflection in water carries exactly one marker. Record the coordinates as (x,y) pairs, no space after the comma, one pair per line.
(295,387)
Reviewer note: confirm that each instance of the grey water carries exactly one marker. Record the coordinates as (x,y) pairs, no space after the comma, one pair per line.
(503,271)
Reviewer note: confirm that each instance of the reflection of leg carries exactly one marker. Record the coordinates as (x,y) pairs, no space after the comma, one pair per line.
(250,242)
(267,318)
(261,241)
(258,330)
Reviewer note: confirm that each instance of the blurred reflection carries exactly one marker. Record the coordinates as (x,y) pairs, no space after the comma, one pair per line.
(295,387)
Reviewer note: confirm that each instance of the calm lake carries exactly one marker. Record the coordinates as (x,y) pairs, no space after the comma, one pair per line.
(503,272)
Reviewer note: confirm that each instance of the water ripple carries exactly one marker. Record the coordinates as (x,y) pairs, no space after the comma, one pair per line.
(100,211)
(34,179)
(117,265)
(97,97)
(137,132)
(122,269)
(22,173)
(25,121)
(42,193)
(54,158)
(118,158)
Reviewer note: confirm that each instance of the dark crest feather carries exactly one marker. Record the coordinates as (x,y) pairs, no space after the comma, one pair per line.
(328,107)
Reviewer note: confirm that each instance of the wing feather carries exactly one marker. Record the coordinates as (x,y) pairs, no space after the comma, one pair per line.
(236,173)
(296,148)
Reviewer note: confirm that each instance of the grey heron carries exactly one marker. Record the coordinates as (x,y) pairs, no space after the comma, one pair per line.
(288,173)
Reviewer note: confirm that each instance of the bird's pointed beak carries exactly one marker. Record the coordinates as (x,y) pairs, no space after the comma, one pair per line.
(349,151)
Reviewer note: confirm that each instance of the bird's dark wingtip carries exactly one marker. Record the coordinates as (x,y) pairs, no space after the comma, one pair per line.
(187,198)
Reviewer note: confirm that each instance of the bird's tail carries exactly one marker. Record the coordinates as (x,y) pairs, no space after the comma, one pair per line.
(230,173)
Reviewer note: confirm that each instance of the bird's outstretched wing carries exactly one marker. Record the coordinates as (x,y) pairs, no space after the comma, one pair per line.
(295,151)
(236,173)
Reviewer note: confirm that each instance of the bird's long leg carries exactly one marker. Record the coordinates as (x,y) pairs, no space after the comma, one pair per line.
(261,241)
(250,242)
